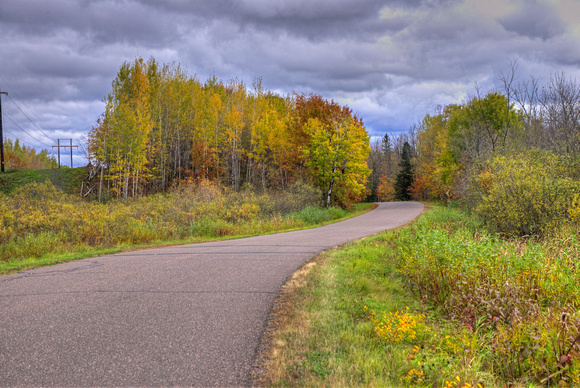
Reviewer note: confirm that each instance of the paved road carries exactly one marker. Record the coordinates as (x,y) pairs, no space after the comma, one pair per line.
(188,315)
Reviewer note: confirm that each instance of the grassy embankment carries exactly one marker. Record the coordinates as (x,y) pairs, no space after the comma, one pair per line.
(440,303)
(66,179)
(41,225)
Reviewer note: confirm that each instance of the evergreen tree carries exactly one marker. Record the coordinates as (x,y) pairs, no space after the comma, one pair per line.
(405,175)
(386,146)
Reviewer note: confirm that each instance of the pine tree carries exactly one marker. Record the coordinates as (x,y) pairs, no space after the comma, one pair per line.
(405,175)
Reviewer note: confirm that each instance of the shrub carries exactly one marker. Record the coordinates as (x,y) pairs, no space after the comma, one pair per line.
(314,215)
(298,196)
(528,194)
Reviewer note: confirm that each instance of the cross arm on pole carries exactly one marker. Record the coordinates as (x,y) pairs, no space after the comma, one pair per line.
(65,146)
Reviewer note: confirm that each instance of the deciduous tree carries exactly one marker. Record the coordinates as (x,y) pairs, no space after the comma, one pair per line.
(336,155)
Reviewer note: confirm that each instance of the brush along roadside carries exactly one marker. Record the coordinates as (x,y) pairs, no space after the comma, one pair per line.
(440,303)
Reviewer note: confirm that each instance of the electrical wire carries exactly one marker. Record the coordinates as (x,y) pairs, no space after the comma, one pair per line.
(25,115)
(20,109)
(50,151)
(23,130)
(79,159)
(20,126)
(27,107)
(20,140)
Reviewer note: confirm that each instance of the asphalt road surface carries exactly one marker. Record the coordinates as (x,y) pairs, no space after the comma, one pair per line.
(189,315)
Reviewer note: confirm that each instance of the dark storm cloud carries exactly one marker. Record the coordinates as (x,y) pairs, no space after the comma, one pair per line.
(314,20)
(98,21)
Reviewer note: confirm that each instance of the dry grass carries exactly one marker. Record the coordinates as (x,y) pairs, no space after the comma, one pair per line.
(285,320)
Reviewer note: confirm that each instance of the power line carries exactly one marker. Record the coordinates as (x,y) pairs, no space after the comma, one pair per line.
(52,153)
(32,122)
(25,115)
(20,140)
(27,107)
(31,146)
(23,130)
(20,125)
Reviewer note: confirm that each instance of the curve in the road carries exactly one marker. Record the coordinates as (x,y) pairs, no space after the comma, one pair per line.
(183,315)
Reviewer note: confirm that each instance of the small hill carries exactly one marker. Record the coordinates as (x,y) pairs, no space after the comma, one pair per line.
(66,179)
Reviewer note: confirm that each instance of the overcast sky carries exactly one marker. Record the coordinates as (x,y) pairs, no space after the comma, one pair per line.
(391,61)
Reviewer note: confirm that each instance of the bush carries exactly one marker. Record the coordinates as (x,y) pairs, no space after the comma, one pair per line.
(298,196)
(529,194)
(314,215)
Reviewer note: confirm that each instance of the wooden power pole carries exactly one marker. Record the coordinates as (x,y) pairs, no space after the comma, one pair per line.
(1,136)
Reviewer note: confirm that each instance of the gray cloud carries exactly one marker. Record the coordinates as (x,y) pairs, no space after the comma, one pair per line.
(392,61)
(99,22)
(314,20)
(534,20)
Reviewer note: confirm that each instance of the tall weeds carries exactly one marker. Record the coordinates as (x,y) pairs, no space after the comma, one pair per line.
(519,299)
(39,219)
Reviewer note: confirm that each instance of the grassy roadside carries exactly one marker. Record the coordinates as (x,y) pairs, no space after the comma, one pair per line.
(437,304)
(307,218)
(321,334)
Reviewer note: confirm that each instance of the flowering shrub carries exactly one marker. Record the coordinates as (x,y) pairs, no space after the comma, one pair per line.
(529,194)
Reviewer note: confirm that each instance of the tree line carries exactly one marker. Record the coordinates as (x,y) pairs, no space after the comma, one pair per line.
(18,157)
(511,154)
(162,126)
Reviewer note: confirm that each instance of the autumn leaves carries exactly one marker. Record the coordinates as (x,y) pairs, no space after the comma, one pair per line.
(161,126)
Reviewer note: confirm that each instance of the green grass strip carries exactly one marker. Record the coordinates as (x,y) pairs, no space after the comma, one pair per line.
(327,337)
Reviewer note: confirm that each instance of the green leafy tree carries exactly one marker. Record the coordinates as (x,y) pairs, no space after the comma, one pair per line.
(482,125)
(336,156)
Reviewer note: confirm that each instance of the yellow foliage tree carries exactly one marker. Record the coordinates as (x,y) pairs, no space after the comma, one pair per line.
(121,139)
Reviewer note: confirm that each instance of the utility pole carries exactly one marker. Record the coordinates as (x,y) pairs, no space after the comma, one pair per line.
(65,146)
(1,136)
